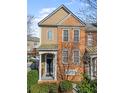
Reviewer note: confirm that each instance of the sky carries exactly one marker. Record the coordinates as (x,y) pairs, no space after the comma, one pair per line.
(41,8)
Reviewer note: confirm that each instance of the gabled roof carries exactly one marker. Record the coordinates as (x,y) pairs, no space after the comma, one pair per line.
(66,9)
(90,27)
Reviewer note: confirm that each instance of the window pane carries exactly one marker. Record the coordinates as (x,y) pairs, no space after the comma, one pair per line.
(50,35)
(76,35)
(65,35)
(89,39)
(65,56)
(76,56)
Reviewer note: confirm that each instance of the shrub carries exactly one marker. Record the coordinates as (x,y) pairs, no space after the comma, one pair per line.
(53,88)
(65,86)
(40,88)
(87,85)
(32,78)
(44,88)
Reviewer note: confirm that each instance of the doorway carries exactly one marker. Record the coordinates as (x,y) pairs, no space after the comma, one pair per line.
(49,65)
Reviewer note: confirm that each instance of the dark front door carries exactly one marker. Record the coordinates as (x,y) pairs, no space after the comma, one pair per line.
(49,67)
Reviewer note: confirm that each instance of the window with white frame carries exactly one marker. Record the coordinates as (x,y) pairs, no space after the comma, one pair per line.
(65,35)
(76,57)
(76,35)
(90,39)
(49,35)
(65,56)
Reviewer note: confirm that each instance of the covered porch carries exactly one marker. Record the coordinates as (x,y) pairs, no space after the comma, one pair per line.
(48,63)
(90,62)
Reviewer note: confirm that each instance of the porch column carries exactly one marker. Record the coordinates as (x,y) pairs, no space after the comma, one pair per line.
(40,66)
(91,64)
(90,67)
(55,66)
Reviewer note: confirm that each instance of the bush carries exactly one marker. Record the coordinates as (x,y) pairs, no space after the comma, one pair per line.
(87,85)
(38,88)
(44,88)
(65,86)
(53,88)
(32,78)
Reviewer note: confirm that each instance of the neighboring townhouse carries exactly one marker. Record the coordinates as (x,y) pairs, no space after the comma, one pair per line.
(32,45)
(62,46)
(90,56)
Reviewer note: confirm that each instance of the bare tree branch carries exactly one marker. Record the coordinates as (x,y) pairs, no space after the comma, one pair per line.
(30,23)
(88,12)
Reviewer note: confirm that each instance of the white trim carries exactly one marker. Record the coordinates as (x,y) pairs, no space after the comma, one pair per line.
(55,63)
(63,35)
(45,65)
(40,67)
(40,36)
(79,34)
(44,52)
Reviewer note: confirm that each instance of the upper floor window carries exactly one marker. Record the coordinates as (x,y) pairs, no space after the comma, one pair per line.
(65,56)
(65,35)
(49,35)
(89,39)
(76,57)
(76,35)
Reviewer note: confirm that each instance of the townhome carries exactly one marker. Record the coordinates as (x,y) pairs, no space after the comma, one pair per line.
(90,56)
(62,46)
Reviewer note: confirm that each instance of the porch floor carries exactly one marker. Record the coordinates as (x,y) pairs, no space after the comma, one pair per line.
(47,78)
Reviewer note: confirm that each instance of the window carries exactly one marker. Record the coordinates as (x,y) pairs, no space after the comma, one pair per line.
(76,35)
(49,35)
(76,57)
(65,35)
(90,39)
(65,56)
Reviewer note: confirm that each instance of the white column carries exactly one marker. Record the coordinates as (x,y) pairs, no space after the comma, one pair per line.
(55,63)
(91,64)
(40,66)
(45,65)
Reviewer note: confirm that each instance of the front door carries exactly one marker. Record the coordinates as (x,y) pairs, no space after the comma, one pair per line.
(49,66)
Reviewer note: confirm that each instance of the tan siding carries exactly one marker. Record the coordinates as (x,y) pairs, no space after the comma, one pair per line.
(44,35)
(54,19)
(71,21)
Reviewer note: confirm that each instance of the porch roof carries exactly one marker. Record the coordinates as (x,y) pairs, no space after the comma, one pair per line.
(48,47)
(91,50)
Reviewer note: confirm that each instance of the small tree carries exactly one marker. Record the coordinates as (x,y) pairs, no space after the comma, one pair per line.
(87,85)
